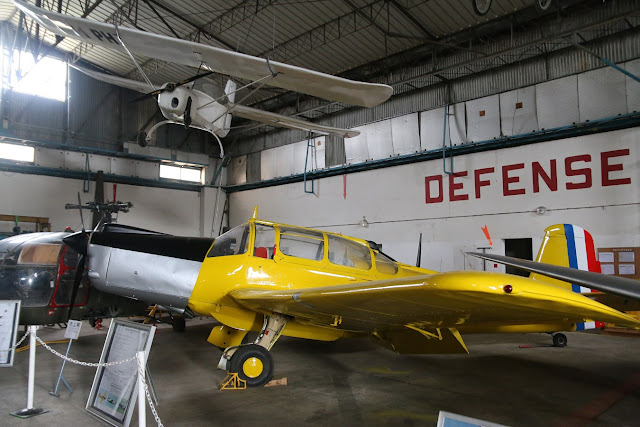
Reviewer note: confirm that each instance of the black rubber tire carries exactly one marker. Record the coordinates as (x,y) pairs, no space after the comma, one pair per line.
(246,352)
(542,5)
(142,138)
(483,9)
(178,323)
(559,340)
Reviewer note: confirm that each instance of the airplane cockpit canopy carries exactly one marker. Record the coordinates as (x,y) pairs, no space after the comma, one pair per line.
(29,268)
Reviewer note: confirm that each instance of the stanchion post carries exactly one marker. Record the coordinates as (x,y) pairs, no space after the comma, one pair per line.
(142,413)
(30,411)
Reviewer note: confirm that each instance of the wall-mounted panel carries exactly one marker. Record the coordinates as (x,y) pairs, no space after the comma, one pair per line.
(518,112)
(557,102)
(238,170)
(101,163)
(457,124)
(284,160)
(601,94)
(405,134)
(379,139)
(75,161)
(123,167)
(633,86)
(48,158)
(483,118)
(268,168)
(356,149)
(147,170)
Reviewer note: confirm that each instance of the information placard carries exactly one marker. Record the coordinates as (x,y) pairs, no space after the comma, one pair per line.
(9,316)
(73,329)
(114,390)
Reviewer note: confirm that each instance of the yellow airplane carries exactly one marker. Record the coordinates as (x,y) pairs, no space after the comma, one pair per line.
(278,279)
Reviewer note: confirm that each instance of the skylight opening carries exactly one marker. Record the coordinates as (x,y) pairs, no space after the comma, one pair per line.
(181,173)
(46,78)
(18,153)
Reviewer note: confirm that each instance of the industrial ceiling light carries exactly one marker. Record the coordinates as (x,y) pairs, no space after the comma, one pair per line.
(364,222)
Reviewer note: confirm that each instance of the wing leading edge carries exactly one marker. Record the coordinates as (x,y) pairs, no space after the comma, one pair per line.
(223,61)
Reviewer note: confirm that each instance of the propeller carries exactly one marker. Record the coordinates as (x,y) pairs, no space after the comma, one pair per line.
(187,114)
(419,251)
(78,242)
(170,87)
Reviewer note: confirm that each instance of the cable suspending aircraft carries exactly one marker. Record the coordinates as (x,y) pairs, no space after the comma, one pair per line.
(279,279)
(193,108)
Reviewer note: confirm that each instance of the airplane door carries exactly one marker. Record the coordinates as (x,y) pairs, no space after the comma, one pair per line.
(65,279)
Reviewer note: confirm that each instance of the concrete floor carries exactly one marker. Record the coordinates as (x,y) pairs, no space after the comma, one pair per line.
(594,381)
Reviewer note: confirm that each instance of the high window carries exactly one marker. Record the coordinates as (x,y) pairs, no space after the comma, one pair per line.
(45,77)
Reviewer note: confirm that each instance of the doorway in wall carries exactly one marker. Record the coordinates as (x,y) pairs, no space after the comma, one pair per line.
(518,248)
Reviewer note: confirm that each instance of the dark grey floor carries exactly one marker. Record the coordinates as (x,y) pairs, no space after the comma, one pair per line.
(594,381)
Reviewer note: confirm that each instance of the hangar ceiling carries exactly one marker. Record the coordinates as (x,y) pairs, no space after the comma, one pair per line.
(407,44)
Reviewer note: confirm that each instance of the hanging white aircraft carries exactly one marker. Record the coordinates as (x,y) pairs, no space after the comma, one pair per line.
(189,107)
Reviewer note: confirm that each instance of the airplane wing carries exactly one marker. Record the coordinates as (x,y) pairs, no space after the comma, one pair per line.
(115,80)
(287,121)
(220,60)
(615,285)
(455,300)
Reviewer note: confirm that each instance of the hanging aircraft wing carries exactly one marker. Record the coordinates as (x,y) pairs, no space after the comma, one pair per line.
(287,121)
(115,80)
(219,60)
(615,285)
(474,301)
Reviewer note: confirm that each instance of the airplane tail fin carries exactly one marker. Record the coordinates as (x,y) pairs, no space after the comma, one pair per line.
(571,246)
(230,91)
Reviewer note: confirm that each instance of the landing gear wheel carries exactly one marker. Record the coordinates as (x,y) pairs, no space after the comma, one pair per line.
(559,340)
(142,138)
(178,323)
(481,7)
(253,364)
(542,5)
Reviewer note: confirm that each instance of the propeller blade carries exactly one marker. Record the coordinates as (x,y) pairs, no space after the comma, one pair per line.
(187,114)
(77,281)
(170,87)
(419,251)
(80,209)
(193,78)
(146,96)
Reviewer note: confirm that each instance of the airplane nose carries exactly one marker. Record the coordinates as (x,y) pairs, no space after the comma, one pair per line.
(78,241)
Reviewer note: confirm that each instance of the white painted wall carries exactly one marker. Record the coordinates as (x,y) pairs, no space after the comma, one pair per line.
(394,201)
(170,211)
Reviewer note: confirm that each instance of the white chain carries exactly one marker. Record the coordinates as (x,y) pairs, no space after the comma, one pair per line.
(141,373)
(17,344)
(78,362)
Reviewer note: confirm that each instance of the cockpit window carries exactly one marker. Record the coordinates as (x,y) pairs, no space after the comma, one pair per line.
(39,253)
(233,242)
(265,241)
(28,273)
(384,264)
(348,253)
(301,243)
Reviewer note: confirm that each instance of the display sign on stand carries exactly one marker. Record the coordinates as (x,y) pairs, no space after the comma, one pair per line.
(114,390)
(9,315)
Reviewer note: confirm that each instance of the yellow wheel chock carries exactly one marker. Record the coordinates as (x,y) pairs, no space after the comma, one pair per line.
(232,382)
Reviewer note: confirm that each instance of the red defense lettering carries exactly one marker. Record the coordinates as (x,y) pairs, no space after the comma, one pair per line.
(539,172)
(607,168)
(453,186)
(480,182)
(427,186)
(586,172)
(506,180)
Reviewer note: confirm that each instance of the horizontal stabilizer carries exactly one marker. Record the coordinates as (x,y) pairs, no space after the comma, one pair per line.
(287,121)
(222,61)
(615,285)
